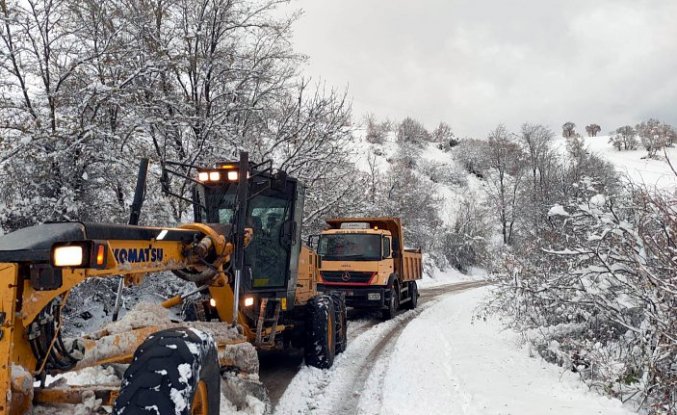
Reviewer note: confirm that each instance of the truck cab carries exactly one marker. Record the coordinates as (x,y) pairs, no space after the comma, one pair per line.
(365,258)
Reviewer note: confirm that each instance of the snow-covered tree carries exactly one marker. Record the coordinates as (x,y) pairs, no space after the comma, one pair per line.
(505,179)
(444,136)
(655,135)
(594,291)
(624,138)
(411,131)
(592,130)
(568,129)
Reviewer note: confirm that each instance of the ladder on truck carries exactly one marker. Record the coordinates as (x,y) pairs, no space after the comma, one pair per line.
(267,327)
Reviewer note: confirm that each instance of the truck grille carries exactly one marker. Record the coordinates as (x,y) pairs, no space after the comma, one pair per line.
(347,277)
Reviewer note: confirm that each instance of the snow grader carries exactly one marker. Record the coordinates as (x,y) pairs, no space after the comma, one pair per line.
(254,288)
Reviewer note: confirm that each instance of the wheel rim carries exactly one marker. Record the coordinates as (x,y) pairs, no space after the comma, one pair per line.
(200,403)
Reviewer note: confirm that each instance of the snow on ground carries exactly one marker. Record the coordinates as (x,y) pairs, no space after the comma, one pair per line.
(641,171)
(437,360)
(446,363)
(316,391)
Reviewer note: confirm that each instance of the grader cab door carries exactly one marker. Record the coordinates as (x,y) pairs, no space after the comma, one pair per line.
(275,215)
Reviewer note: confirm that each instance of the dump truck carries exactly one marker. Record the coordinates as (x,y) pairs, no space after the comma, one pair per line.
(254,288)
(365,259)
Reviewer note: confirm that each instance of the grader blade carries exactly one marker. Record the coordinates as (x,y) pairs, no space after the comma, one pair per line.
(117,342)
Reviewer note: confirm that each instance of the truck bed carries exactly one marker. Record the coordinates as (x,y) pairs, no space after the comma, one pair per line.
(412,265)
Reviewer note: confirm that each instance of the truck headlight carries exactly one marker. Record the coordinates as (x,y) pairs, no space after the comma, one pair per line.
(248,301)
(233,175)
(68,256)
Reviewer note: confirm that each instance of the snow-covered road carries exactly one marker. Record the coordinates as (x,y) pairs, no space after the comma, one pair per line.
(437,360)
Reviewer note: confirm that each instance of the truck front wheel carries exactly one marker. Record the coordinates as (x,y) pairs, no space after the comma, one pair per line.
(320,346)
(393,302)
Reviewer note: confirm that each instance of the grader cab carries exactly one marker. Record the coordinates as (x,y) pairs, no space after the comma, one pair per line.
(254,289)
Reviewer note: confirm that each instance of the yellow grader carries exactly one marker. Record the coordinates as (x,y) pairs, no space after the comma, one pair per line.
(254,289)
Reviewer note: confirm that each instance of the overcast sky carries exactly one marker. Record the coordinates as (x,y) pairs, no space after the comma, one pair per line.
(476,63)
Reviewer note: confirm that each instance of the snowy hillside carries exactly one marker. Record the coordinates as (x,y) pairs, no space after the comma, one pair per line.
(439,174)
(438,170)
(634,164)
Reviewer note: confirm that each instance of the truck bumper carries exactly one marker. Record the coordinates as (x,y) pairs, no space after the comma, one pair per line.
(360,297)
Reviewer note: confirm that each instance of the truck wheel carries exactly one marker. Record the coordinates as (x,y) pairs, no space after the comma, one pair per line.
(413,292)
(341,318)
(174,371)
(393,302)
(320,346)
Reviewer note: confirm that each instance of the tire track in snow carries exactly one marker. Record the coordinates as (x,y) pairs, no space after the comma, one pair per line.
(341,389)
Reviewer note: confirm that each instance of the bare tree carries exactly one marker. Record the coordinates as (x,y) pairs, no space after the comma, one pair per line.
(654,136)
(412,131)
(505,179)
(624,138)
(568,129)
(536,140)
(592,130)
(444,136)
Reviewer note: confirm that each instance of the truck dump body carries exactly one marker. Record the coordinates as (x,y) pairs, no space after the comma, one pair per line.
(412,265)
(365,258)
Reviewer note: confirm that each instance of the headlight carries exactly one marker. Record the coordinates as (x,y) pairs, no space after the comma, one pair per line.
(68,256)
(212,302)
(80,254)
(203,176)
(248,301)
(214,176)
(232,175)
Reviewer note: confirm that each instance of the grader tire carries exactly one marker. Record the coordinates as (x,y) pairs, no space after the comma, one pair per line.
(320,347)
(341,318)
(174,371)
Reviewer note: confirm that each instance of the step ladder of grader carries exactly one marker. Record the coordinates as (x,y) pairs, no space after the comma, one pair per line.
(262,322)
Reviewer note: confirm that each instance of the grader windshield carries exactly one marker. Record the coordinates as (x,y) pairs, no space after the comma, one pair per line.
(267,254)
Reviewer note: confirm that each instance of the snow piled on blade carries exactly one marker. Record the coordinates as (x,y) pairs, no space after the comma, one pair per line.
(445,362)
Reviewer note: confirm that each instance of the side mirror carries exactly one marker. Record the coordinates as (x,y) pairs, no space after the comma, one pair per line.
(288,231)
(385,244)
(312,241)
(396,248)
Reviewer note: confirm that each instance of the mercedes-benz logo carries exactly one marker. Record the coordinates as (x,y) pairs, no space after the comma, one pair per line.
(346,276)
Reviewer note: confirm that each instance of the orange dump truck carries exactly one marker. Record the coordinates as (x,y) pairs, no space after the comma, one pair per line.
(365,258)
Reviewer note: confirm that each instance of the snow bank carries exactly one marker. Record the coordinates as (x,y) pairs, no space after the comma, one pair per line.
(435,277)
(445,362)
